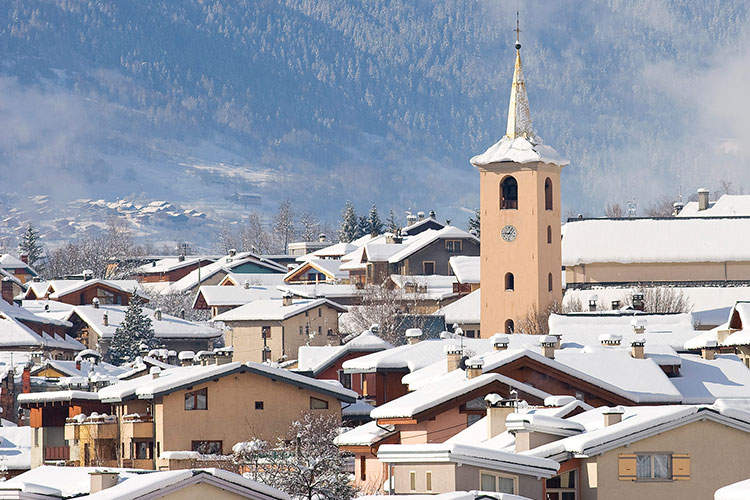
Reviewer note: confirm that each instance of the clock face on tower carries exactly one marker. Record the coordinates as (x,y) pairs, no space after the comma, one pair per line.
(509,233)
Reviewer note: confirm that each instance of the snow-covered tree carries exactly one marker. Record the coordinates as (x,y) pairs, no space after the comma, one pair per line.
(310,226)
(349,223)
(283,225)
(134,331)
(307,465)
(474,222)
(391,225)
(30,245)
(376,225)
(363,226)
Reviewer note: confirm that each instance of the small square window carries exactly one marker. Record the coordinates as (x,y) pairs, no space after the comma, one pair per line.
(259,405)
(318,404)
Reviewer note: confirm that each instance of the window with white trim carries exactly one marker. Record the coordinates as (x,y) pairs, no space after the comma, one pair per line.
(500,483)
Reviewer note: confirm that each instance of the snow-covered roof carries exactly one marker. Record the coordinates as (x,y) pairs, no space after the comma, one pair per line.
(125,286)
(410,357)
(465,310)
(704,381)
(331,251)
(15,447)
(318,358)
(465,268)
(14,333)
(628,241)
(433,287)
(222,296)
(365,434)
(224,264)
(55,396)
(8,261)
(22,313)
(735,491)
(254,279)
(413,228)
(739,317)
(330,267)
(728,205)
(427,237)
(177,378)
(445,388)
(167,327)
(519,150)
(52,309)
(75,482)
(315,290)
(169,264)
(68,368)
(274,309)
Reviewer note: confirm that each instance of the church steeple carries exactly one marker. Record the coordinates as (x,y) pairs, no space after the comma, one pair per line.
(519,114)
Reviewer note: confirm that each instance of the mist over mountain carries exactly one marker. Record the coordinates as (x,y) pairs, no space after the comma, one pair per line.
(378,102)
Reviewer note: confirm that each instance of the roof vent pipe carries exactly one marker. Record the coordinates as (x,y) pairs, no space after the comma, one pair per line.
(105,318)
(95,303)
(702,199)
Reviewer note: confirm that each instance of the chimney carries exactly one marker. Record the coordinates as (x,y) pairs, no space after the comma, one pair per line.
(413,335)
(638,303)
(678,206)
(433,215)
(612,416)
(411,219)
(155,371)
(186,358)
(181,258)
(708,351)
(95,303)
(453,354)
(26,379)
(721,335)
(246,284)
(101,480)
(7,290)
(88,274)
(499,342)
(637,349)
(287,299)
(105,318)
(558,336)
(321,237)
(702,199)
(474,367)
(548,346)
(223,357)
(420,216)
(78,364)
(157,314)
(639,325)
(25,258)
(610,339)
(498,410)
(232,252)
(593,298)
(615,305)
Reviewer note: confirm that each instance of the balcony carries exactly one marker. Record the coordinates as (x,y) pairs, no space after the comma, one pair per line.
(55,453)
(137,426)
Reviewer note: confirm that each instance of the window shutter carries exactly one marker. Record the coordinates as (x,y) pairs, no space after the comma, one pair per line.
(680,467)
(626,466)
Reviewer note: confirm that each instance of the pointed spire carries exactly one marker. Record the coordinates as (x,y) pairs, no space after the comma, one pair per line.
(519,114)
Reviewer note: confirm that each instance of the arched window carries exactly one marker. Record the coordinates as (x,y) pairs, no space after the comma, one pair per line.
(549,282)
(509,327)
(509,193)
(549,235)
(510,282)
(547,194)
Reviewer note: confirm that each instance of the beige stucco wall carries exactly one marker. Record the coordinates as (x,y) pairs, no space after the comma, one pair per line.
(285,339)
(719,455)
(602,272)
(203,490)
(448,477)
(231,416)
(529,257)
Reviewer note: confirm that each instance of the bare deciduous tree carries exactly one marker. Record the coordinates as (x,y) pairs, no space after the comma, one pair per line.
(536,321)
(663,206)
(660,299)
(614,211)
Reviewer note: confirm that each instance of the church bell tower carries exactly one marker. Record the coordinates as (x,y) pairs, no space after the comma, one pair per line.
(521,263)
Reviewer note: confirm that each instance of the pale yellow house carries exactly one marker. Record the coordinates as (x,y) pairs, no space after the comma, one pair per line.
(275,329)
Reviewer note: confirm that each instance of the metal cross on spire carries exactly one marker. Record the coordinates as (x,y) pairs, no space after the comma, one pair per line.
(518,31)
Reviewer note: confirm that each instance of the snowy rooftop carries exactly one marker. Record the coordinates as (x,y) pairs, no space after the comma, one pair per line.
(736,491)
(68,368)
(728,205)
(365,434)
(628,241)
(15,447)
(176,378)
(171,264)
(22,313)
(463,311)
(224,264)
(274,309)
(222,296)
(317,358)
(427,237)
(14,333)
(519,150)
(315,290)
(433,287)
(465,268)
(254,279)
(125,286)
(168,327)
(330,267)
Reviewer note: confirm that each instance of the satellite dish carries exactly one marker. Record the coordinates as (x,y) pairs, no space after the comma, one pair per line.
(462,363)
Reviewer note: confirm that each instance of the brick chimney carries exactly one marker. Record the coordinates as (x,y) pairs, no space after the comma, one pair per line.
(453,354)
(474,367)
(7,290)
(499,342)
(548,343)
(702,199)
(413,335)
(26,380)
(25,258)
(101,480)
(637,349)
(612,416)
(498,410)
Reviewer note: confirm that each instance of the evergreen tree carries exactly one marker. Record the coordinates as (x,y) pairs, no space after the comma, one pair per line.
(363,226)
(474,223)
(30,245)
(134,331)
(349,226)
(376,225)
(391,225)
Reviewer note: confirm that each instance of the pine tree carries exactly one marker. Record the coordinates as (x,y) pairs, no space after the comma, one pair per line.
(376,225)
(349,226)
(474,223)
(134,331)
(391,224)
(30,245)
(363,226)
